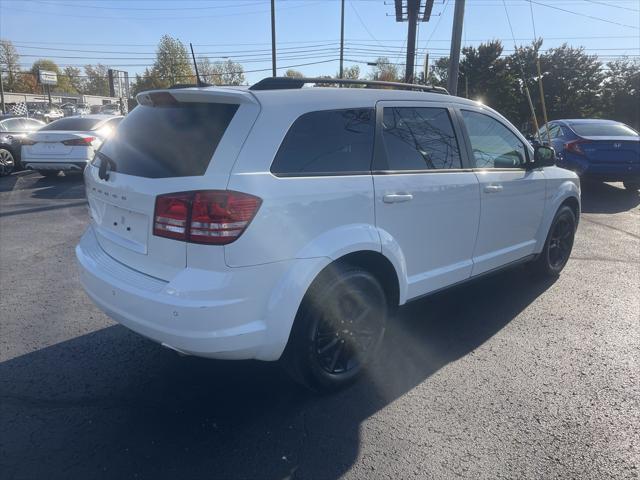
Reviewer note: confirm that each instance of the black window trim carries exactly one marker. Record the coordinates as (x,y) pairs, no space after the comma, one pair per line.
(342,173)
(467,140)
(379,152)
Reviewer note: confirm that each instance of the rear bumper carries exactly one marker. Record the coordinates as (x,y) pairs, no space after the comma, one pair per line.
(54,164)
(606,172)
(203,313)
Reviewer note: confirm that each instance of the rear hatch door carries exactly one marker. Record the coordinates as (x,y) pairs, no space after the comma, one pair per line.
(182,141)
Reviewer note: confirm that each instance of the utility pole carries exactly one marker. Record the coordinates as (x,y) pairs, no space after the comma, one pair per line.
(4,109)
(426,66)
(342,39)
(412,18)
(273,38)
(456,39)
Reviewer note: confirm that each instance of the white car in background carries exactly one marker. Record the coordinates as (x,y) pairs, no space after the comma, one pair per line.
(287,222)
(67,144)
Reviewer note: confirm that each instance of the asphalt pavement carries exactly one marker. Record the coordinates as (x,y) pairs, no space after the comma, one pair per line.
(508,377)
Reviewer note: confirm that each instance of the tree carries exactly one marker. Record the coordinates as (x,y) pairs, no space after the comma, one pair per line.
(293,73)
(621,92)
(97,82)
(384,70)
(171,66)
(10,65)
(75,78)
(221,73)
(63,85)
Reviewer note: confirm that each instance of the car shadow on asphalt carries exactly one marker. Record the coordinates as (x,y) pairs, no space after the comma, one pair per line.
(110,404)
(607,198)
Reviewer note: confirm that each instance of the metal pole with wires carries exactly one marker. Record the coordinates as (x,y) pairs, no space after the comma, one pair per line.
(4,108)
(342,39)
(456,39)
(273,38)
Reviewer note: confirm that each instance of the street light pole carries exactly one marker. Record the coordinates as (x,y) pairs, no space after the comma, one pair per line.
(273,38)
(456,39)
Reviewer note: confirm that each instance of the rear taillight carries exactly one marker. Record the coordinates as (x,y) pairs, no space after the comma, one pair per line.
(574,146)
(210,216)
(28,141)
(79,142)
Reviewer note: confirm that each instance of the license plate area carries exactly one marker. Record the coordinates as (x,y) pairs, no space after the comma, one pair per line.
(122,226)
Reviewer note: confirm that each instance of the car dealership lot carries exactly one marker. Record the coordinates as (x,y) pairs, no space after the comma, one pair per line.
(490,380)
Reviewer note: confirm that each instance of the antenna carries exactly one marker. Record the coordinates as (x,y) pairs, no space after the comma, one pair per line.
(199,82)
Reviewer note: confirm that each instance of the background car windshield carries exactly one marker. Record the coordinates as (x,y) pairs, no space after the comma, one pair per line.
(80,124)
(603,130)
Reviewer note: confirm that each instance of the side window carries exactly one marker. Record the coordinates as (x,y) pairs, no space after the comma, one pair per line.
(419,138)
(555,131)
(3,126)
(493,144)
(331,141)
(31,125)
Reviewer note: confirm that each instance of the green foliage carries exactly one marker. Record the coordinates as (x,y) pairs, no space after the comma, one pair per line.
(293,73)
(621,92)
(74,76)
(574,83)
(10,61)
(171,66)
(221,73)
(385,71)
(97,82)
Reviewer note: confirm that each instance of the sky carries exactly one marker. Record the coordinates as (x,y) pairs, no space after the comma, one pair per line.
(123,33)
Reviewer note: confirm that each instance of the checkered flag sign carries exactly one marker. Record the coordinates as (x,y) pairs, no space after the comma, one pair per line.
(19,109)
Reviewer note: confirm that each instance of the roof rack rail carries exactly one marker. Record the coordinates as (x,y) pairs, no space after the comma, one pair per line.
(290,83)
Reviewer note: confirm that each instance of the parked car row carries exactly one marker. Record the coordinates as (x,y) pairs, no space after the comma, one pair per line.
(66,144)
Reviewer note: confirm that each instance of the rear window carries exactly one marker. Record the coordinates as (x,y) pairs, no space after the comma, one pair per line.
(603,130)
(327,142)
(79,124)
(168,141)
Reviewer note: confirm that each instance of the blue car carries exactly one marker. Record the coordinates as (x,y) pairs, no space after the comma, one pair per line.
(602,150)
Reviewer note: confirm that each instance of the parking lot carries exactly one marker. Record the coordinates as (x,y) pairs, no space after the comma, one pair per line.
(508,377)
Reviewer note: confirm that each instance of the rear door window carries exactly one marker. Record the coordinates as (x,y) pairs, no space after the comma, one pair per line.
(176,140)
(596,129)
(327,142)
(419,138)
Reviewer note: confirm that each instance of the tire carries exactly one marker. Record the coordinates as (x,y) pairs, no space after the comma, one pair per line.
(338,329)
(48,173)
(632,186)
(559,243)
(7,162)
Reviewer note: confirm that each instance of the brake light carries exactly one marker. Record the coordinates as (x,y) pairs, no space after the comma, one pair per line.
(28,141)
(574,146)
(215,217)
(79,142)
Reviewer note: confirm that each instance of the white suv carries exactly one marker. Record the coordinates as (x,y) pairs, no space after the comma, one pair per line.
(280,222)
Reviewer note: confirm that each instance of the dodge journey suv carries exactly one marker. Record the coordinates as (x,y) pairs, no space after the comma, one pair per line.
(278,222)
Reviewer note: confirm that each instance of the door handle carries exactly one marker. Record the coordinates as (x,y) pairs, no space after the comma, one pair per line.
(397,197)
(493,188)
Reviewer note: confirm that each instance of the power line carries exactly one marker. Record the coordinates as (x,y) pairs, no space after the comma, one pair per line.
(584,15)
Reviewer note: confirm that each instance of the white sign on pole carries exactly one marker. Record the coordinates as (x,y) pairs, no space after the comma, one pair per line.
(46,77)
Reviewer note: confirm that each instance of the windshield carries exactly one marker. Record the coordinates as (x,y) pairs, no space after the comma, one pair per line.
(597,129)
(74,123)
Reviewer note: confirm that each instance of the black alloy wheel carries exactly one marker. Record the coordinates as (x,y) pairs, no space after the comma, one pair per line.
(338,329)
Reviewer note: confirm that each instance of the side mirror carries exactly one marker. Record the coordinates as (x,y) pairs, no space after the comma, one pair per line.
(544,156)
